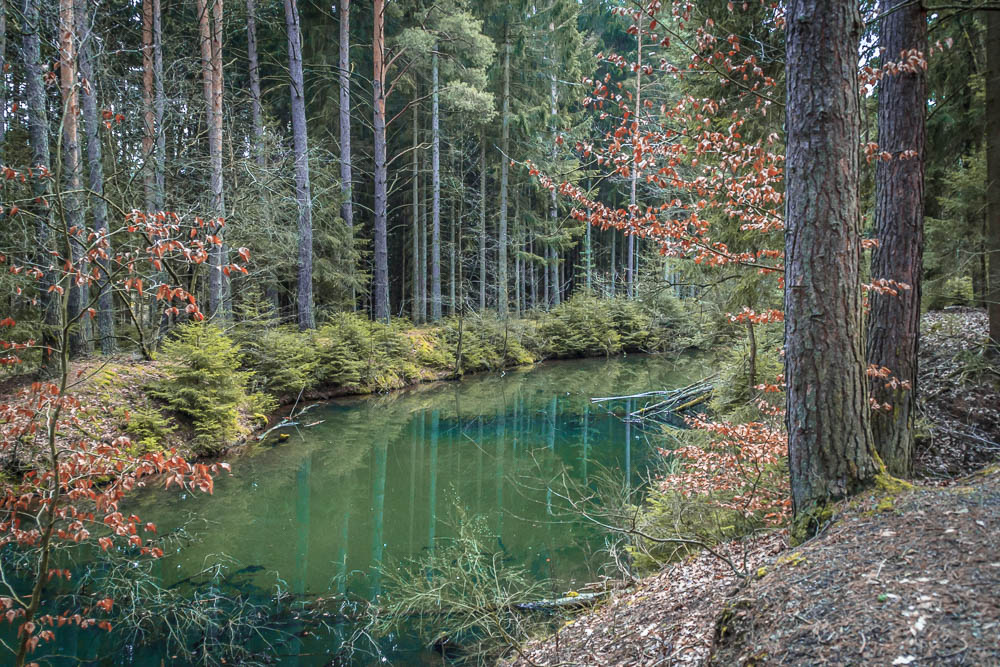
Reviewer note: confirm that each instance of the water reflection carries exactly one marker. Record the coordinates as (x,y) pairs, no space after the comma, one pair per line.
(378,480)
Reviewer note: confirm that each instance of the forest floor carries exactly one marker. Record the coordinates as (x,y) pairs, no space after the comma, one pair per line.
(908,577)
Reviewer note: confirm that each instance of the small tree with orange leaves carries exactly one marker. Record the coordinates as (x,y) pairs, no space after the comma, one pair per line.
(68,484)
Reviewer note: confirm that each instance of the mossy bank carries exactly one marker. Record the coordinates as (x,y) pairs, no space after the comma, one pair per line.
(212,387)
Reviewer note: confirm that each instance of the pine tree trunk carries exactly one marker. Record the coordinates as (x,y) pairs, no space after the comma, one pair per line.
(630,259)
(344,63)
(303,193)
(482,223)
(504,167)
(424,246)
(256,109)
(993,171)
(829,437)
(436,193)
(451,245)
(346,177)
(3,78)
(159,111)
(210,35)
(416,216)
(614,251)
(894,320)
(148,126)
(95,180)
(78,296)
(381,281)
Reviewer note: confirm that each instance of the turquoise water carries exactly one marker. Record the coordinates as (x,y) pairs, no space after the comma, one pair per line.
(372,482)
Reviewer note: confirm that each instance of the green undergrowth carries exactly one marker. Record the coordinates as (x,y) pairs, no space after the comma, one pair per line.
(215,382)
(352,354)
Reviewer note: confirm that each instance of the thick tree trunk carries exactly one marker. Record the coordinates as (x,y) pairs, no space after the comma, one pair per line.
(829,438)
(894,321)
(415,310)
(70,195)
(381,280)
(95,181)
(482,223)
(504,167)
(993,171)
(303,193)
(210,35)
(435,193)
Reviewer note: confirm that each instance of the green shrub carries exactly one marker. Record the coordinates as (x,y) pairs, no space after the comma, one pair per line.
(488,343)
(146,426)
(581,327)
(283,361)
(632,323)
(204,383)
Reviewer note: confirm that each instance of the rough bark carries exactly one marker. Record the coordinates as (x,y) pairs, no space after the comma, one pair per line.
(894,320)
(415,309)
(148,122)
(504,168)
(344,72)
(303,193)
(346,178)
(210,36)
(95,182)
(3,79)
(159,111)
(630,261)
(381,278)
(256,110)
(993,171)
(482,223)
(829,437)
(435,192)
(72,220)
(552,293)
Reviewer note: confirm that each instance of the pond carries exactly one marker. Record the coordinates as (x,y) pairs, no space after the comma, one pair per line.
(364,484)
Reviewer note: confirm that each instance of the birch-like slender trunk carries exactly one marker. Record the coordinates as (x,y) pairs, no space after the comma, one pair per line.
(159,111)
(436,192)
(256,109)
(415,306)
(303,193)
(95,182)
(148,121)
(3,73)
(504,168)
(381,279)
(482,223)
(630,266)
(346,177)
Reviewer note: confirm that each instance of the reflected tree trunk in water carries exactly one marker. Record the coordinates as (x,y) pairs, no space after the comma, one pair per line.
(552,423)
(628,444)
(586,433)
(413,480)
(302,488)
(501,437)
(381,449)
(435,419)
